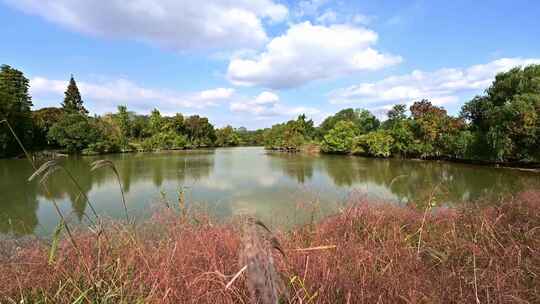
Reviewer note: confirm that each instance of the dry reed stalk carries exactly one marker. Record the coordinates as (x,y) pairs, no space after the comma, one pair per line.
(264,284)
(316,248)
(109,164)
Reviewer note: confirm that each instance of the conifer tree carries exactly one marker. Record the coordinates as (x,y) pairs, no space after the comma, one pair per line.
(72,100)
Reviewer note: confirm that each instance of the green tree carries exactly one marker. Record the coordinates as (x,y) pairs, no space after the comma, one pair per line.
(43,120)
(124,125)
(72,100)
(156,122)
(366,121)
(227,137)
(199,131)
(433,127)
(15,104)
(399,126)
(330,122)
(506,119)
(75,132)
(305,127)
(140,127)
(340,139)
(377,143)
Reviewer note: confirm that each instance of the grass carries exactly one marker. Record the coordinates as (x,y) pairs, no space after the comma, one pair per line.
(367,253)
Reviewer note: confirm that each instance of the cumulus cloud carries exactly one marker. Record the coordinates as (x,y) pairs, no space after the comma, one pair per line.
(102,97)
(174,24)
(308,52)
(267,105)
(441,86)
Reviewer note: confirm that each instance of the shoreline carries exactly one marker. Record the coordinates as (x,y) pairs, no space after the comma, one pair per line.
(523,166)
(312,150)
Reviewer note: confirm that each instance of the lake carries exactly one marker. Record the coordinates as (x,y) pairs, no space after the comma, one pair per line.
(281,189)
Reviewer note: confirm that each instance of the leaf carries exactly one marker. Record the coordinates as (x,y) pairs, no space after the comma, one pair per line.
(55,241)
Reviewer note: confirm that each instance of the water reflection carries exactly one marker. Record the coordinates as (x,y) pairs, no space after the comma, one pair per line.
(18,206)
(228,182)
(298,167)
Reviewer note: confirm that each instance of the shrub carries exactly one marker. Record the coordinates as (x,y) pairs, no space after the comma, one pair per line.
(378,144)
(340,138)
(165,141)
(75,132)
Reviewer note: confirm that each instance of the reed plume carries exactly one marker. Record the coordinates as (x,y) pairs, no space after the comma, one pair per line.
(109,164)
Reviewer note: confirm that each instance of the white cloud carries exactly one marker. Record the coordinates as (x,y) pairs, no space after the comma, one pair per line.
(105,96)
(328,17)
(441,86)
(174,24)
(308,52)
(267,105)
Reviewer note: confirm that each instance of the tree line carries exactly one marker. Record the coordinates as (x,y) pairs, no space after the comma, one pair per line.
(503,124)
(70,128)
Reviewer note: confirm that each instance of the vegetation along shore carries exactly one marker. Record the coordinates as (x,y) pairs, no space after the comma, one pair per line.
(501,126)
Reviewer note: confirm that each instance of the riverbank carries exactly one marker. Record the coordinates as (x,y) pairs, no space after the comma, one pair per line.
(316,149)
(367,253)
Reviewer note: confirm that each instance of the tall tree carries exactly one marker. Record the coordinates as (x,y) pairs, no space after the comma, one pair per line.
(15,103)
(72,100)
(506,120)
(124,125)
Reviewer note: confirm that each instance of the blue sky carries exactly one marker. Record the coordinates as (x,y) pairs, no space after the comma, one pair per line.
(257,62)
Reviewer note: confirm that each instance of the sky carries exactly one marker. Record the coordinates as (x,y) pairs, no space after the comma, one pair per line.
(254,63)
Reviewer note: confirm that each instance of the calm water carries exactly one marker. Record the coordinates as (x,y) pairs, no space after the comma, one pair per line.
(275,187)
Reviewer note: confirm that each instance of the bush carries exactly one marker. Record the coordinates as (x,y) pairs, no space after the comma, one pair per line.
(340,138)
(101,147)
(378,144)
(165,141)
(75,132)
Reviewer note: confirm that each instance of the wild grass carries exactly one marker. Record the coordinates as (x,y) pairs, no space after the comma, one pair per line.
(367,253)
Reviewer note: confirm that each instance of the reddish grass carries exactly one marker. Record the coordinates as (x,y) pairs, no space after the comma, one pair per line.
(467,255)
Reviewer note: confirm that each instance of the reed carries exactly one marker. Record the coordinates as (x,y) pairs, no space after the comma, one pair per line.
(109,164)
(363,254)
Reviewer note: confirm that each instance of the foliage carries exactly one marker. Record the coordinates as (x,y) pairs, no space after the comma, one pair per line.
(199,131)
(72,99)
(124,126)
(366,121)
(43,120)
(250,138)
(433,127)
(378,143)
(75,132)
(290,135)
(340,138)
(165,141)
(507,118)
(15,104)
(156,122)
(227,137)
(501,125)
